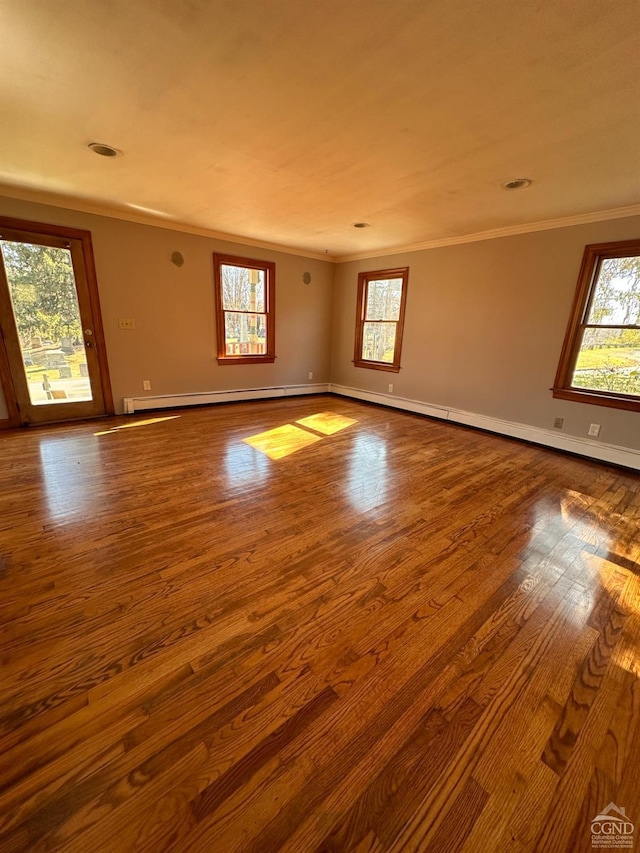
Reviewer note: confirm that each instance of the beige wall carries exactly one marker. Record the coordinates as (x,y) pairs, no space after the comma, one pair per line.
(484,328)
(174,342)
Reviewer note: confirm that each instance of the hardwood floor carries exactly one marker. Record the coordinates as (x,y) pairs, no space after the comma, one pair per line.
(405,635)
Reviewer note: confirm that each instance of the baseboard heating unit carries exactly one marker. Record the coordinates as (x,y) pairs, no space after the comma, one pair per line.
(207,398)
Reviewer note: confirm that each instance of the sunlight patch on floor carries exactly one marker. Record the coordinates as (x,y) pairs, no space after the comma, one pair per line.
(326,422)
(137,424)
(281,441)
(622,587)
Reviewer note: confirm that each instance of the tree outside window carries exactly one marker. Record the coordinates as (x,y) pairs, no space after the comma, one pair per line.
(380,318)
(600,361)
(245,310)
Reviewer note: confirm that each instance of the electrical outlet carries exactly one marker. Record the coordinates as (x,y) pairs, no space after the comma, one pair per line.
(146,385)
(557,424)
(126,323)
(390,388)
(594,429)
(311,374)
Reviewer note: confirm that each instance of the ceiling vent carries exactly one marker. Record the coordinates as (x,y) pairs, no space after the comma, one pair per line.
(103,150)
(517,184)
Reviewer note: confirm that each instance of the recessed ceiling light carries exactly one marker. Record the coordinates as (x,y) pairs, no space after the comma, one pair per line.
(517,184)
(360,224)
(103,150)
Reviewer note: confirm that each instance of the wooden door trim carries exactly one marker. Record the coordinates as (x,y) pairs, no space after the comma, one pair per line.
(9,390)
(98,328)
(84,237)
(9,393)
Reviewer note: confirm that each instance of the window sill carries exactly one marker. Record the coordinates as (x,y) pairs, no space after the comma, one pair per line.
(612,401)
(378,365)
(246,359)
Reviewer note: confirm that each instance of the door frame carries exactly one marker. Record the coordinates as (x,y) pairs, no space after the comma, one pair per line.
(84,237)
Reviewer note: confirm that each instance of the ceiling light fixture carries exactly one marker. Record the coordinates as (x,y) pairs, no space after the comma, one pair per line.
(103,150)
(360,224)
(517,184)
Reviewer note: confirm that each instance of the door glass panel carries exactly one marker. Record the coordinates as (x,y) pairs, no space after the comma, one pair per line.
(43,295)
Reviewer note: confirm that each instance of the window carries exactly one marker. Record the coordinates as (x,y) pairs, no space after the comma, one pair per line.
(600,360)
(380,318)
(245,310)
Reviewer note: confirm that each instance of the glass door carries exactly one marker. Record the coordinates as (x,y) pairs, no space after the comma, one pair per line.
(52,341)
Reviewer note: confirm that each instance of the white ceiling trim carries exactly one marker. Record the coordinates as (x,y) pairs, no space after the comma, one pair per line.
(507,231)
(84,206)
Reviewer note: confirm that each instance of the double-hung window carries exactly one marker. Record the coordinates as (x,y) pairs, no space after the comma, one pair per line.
(382,297)
(600,360)
(245,309)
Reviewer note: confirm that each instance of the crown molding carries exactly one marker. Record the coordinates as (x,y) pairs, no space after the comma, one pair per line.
(140,218)
(494,233)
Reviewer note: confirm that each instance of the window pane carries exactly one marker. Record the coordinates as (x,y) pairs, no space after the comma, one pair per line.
(616,298)
(242,288)
(379,341)
(42,288)
(383,299)
(245,334)
(609,360)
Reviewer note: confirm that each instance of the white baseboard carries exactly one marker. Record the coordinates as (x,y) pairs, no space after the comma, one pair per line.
(174,401)
(613,453)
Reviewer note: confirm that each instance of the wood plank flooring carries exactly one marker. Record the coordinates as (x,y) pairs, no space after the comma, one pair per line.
(403,635)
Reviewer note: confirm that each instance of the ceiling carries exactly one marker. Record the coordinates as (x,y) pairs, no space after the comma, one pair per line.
(285,121)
